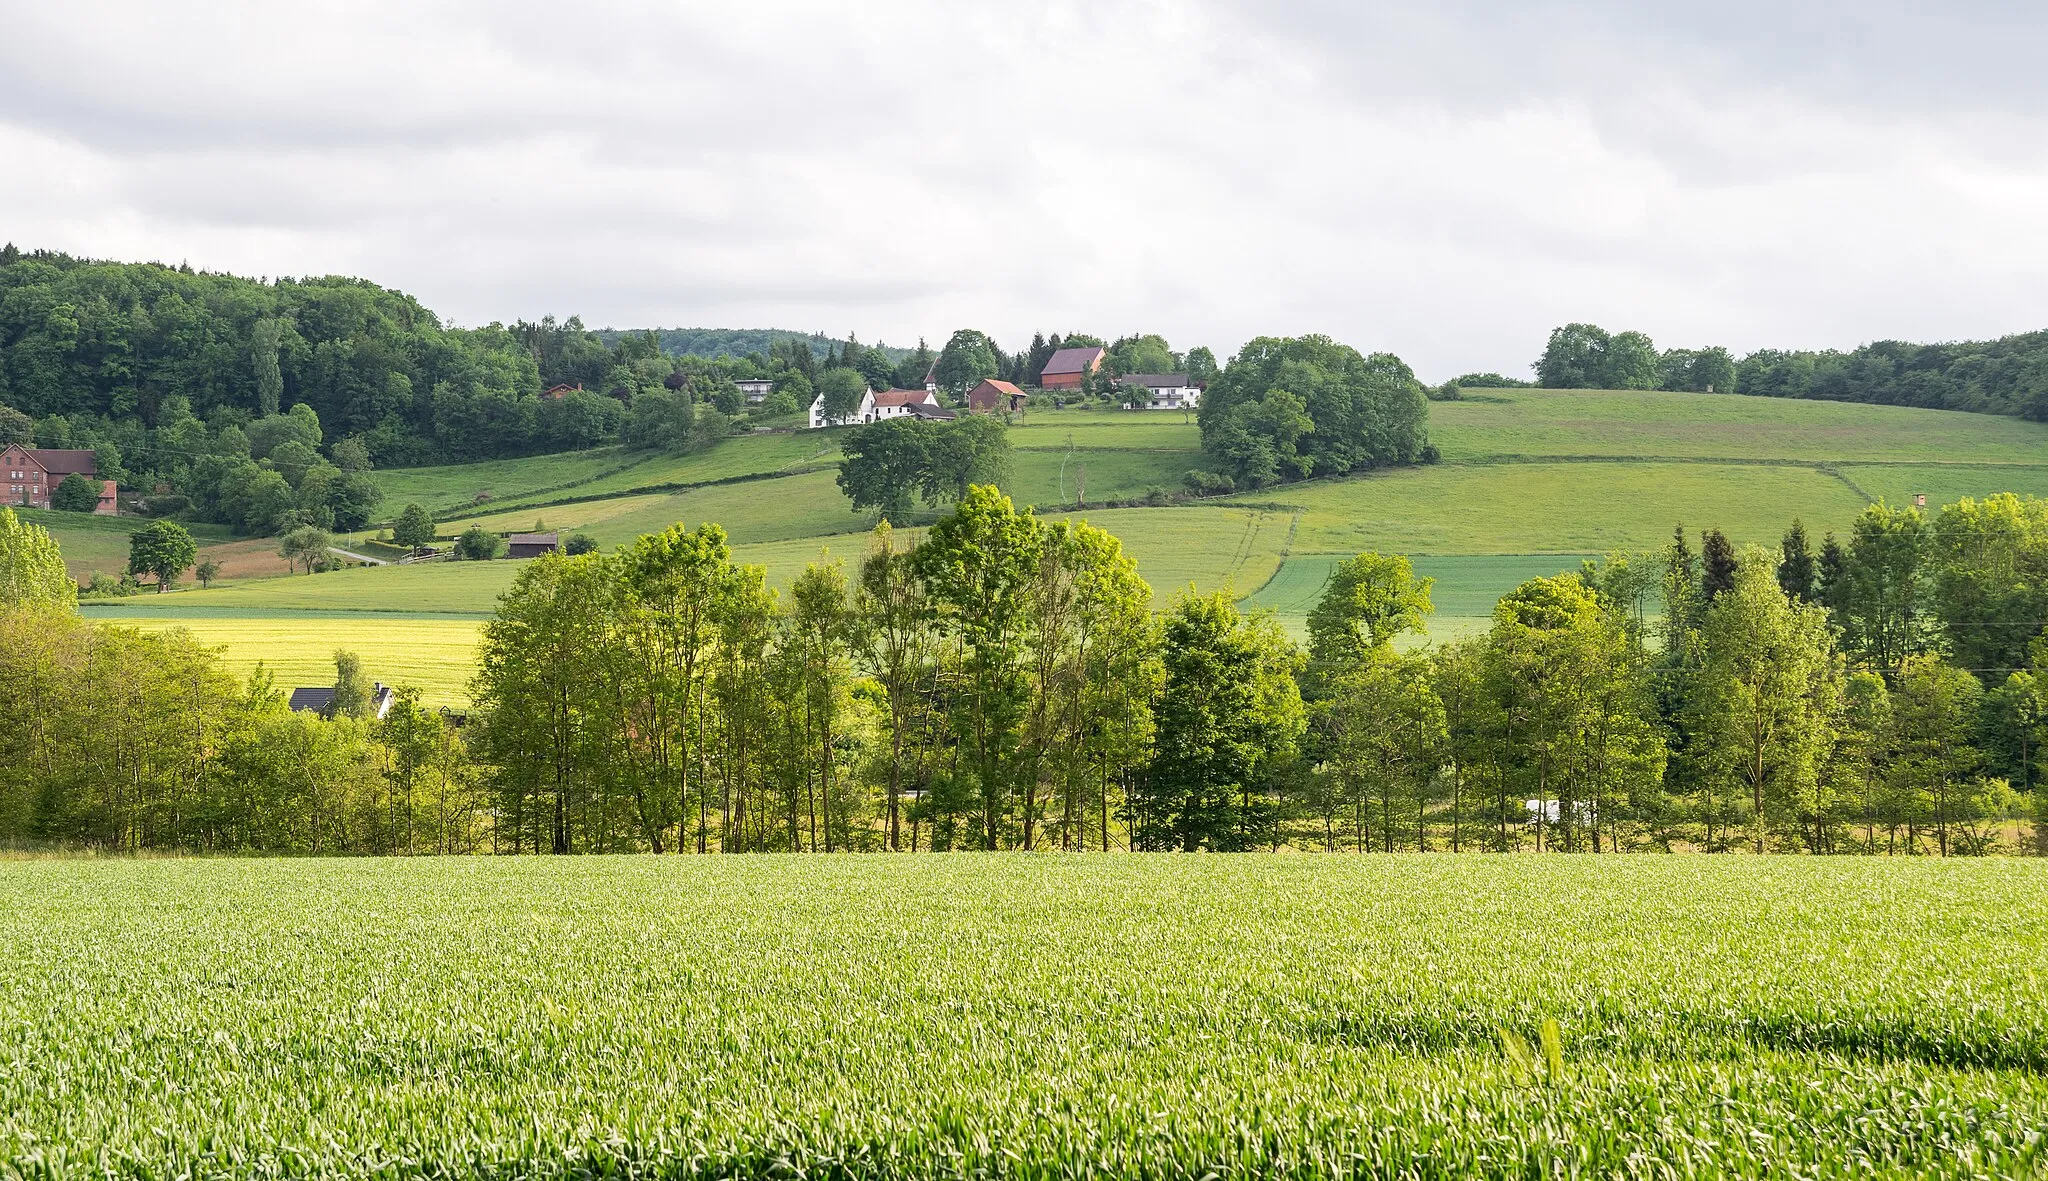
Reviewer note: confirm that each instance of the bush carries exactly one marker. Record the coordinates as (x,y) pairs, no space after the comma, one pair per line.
(1203,483)
(1430,454)
(75,495)
(579,543)
(478,544)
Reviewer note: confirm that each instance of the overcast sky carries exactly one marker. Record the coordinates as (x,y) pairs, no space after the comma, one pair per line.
(1443,180)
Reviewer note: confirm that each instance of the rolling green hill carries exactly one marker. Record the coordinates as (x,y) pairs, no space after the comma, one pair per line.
(1532,482)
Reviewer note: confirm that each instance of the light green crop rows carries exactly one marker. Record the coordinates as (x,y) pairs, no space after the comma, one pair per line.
(1004,1016)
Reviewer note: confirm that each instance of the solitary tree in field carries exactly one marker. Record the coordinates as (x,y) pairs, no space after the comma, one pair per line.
(305,545)
(206,571)
(414,528)
(32,575)
(163,549)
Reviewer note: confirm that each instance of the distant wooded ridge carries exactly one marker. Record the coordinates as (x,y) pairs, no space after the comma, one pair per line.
(2004,376)
(723,343)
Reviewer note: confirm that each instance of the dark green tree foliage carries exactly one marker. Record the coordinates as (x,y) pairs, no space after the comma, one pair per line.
(885,464)
(967,358)
(16,427)
(478,544)
(1717,564)
(1798,576)
(75,494)
(163,550)
(2004,376)
(415,527)
(1332,411)
(842,389)
(1228,715)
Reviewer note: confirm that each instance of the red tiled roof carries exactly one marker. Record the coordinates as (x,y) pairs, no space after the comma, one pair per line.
(901,397)
(1081,360)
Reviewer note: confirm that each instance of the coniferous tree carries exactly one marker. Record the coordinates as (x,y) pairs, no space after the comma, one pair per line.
(1796,574)
(1717,565)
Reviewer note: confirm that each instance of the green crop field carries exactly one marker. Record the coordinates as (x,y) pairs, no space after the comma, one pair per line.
(435,656)
(1024,1016)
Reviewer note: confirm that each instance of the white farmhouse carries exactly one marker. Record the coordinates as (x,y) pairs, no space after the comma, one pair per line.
(875,407)
(755,390)
(1160,391)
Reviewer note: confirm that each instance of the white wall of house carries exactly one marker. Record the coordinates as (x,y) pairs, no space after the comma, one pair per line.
(1170,397)
(864,413)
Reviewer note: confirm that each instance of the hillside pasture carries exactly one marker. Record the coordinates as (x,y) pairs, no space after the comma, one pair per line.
(95,543)
(1567,508)
(458,588)
(992,1015)
(457,485)
(1640,424)
(1466,586)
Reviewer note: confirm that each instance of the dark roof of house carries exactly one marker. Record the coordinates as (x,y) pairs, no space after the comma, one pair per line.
(1156,381)
(64,463)
(314,700)
(1080,360)
(927,410)
(534,539)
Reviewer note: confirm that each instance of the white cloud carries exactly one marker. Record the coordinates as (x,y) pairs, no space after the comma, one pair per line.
(1445,181)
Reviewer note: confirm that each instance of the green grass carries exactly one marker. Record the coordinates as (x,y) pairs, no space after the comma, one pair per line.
(458,484)
(1565,508)
(92,542)
(1636,424)
(1467,586)
(1211,548)
(460,588)
(1011,1016)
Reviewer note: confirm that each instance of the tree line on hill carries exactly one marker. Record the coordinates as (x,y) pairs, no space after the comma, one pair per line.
(2004,376)
(1004,683)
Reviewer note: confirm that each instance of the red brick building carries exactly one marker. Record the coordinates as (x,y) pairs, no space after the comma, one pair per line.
(28,475)
(1066,368)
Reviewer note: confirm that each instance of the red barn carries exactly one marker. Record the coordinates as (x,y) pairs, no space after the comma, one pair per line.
(1065,369)
(28,475)
(994,397)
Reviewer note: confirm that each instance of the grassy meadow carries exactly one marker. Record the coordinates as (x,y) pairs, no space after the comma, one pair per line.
(1007,1016)
(1532,481)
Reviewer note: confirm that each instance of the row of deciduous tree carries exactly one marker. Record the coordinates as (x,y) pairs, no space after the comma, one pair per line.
(1004,683)
(126,740)
(2004,376)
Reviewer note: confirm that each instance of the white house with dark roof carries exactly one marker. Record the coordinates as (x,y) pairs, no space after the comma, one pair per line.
(1159,391)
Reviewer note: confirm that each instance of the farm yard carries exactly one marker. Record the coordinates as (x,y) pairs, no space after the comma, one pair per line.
(1049,1016)
(1532,483)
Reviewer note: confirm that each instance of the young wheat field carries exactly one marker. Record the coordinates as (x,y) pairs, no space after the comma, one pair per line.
(1024,1017)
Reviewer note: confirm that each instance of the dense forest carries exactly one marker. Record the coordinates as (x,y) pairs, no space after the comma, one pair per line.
(1004,682)
(2004,376)
(732,344)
